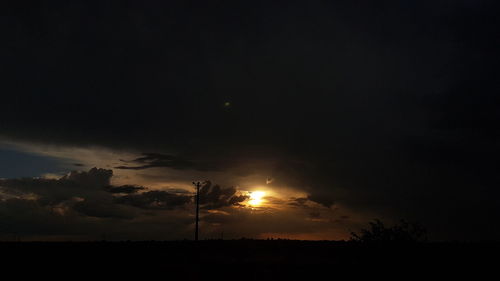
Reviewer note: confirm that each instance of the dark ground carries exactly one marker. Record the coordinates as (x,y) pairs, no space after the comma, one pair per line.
(249,260)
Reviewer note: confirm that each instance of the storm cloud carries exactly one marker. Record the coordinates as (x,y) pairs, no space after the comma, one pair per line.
(387,108)
(157,160)
(213,196)
(89,193)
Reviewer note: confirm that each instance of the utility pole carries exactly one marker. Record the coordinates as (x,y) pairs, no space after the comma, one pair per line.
(198,185)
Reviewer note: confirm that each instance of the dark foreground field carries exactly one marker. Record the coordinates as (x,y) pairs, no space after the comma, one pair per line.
(249,260)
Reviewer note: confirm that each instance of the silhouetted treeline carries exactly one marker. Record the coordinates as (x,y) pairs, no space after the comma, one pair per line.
(401,232)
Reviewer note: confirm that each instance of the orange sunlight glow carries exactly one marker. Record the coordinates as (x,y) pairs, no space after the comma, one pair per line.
(256,198)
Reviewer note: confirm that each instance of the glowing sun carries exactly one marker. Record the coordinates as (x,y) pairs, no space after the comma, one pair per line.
(256,198)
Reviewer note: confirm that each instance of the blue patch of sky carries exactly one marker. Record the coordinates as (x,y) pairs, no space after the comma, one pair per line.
(16,164)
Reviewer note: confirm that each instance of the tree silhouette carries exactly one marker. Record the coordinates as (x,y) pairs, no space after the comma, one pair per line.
(402,231)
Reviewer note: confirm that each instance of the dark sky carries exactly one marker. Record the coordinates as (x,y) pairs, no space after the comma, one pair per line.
(383,109)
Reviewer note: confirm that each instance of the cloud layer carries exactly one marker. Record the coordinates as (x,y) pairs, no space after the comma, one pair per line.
(85,206)
(387,109)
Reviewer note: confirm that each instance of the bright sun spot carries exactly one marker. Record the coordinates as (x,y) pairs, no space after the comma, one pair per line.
(256,198)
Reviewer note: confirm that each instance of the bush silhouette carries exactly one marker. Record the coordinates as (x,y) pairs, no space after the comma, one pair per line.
(402,231)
